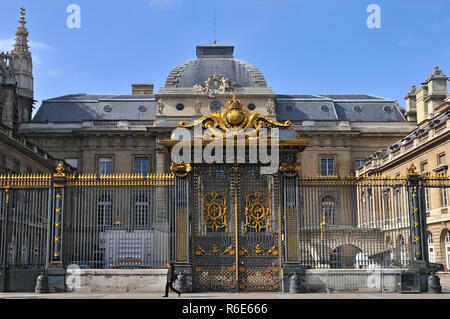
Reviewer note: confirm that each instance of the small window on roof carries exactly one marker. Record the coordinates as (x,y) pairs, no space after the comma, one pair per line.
(142,108)
(288,108)
(107,108)
(357,108)
(325,108)
(387,108)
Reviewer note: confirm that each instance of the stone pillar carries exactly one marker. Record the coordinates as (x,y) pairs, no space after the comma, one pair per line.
(161,223)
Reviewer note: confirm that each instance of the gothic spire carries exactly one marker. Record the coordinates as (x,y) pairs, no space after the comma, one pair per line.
(21,44)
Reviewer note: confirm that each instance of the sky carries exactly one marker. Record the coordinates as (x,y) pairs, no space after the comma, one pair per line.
(301,47)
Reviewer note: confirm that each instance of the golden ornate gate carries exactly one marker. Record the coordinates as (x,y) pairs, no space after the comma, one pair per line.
(235,229)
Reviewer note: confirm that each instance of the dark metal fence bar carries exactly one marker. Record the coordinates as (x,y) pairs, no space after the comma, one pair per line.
(115,221)
(354,223)
(24,221)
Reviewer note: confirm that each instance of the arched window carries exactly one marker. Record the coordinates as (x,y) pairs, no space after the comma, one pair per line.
(141,217)
(447,248)
(329,209)
(104,210)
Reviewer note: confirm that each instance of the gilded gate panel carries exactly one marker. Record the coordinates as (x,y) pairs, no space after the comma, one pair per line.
(235,231)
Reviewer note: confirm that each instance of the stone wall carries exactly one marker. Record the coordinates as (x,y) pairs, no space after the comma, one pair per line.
(117,280)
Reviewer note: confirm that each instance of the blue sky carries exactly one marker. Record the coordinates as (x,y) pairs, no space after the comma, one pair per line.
(302,47)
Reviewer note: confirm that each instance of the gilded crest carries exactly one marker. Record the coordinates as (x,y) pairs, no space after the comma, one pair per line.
(235,117)
(181,169)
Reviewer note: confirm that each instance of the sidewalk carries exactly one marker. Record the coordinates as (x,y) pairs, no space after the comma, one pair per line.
(70,295)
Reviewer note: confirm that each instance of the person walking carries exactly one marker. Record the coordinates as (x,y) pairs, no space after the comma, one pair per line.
(171,277)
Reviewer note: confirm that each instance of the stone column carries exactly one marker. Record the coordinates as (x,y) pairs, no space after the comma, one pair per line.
(160,223)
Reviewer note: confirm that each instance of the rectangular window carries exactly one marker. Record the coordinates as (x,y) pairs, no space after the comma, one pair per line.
(104,165)
(427,199)
(359,162)
(2,161)
(72,162)
(424,167)
(441,159)
(444,197)
(16,169)
(141,166)
(327,166)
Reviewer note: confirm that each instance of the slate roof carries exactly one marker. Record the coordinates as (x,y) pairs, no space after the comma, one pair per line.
(214,58)
(353,108)
(79,107)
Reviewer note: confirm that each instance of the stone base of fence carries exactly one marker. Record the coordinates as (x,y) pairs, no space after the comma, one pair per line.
(116,280)
(351,280)
(445,280)
(315,280)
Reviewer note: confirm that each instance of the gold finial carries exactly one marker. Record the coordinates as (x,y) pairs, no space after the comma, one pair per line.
(59,171)
(412,170)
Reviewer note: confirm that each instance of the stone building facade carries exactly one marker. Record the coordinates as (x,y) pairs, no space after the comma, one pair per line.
(428,148)
(122,133)
(18,155)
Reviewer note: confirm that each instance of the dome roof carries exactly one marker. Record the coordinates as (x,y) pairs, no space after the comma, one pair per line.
(215,58)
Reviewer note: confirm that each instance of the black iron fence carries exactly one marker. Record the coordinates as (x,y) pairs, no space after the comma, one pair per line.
(118,221)
(131,221)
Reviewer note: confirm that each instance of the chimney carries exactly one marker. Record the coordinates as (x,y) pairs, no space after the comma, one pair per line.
(411,109)
(142,88)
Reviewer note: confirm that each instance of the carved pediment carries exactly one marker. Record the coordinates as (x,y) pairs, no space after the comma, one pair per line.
(216,84)
(234,117)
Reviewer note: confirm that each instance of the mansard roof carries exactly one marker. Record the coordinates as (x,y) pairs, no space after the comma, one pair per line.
(354,108)
(79,107)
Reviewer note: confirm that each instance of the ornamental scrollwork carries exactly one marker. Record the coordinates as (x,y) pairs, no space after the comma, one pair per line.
(257,212)
(215,84)
(290,170)
(214,211)
(236,117)
(180,169)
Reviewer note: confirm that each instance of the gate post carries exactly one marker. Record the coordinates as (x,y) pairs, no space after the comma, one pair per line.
(417,216)
(56,271)
(418,228)
(291,212)
(4,274)
(182,200)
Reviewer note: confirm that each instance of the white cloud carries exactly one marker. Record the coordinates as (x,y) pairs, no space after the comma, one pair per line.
(8,45)
(36,45)
(55,72)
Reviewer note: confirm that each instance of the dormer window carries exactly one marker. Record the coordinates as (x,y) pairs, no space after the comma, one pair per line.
(387,108)
(357,108)
(215,106)
(107,108)
(325,108)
